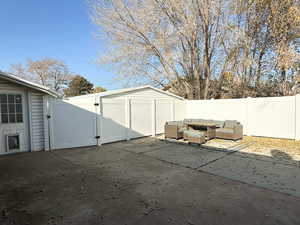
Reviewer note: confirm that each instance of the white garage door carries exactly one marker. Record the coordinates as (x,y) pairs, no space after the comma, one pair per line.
(73,123)
(141,118)
(163,114)
(113,127)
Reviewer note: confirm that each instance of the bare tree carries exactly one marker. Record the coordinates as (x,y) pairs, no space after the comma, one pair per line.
(267,37)
(48,72)
(171,43)
(203,48)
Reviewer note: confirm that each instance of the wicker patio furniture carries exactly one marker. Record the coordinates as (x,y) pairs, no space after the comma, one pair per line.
(194,136)
(231,130)
(174,129)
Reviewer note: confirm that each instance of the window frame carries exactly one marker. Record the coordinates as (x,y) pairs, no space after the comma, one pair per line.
(17,118)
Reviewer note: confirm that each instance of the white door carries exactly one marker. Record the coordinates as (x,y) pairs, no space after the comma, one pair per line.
(141,118)
(14,129)
(113,120)
(73,123)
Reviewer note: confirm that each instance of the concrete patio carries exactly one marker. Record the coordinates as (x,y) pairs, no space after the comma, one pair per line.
(148,181)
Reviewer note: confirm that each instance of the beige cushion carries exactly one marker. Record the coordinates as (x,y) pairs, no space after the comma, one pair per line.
(194,133)
(230,124)
(225,130)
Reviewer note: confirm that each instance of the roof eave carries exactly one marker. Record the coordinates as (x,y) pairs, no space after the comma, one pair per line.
(46,91)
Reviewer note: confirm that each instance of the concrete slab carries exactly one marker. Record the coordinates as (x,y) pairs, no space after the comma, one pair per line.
(187,156)
(110,186)
(142,145)
(93,156)
(264,173)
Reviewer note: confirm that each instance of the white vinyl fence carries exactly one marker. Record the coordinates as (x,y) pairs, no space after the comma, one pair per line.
(277,117)
(94,121)
(91,121)
(73,124)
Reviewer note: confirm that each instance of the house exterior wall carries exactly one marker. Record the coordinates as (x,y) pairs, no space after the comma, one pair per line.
(32,129)
(37,122)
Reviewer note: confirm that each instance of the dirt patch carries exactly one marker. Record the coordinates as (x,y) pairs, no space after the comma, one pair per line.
(280,149)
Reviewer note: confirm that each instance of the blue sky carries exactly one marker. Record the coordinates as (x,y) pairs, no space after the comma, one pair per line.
(60,29)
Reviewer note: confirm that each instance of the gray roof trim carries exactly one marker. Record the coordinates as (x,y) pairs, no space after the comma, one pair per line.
(26,83)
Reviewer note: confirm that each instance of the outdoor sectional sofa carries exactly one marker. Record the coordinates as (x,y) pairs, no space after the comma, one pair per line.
(228,129)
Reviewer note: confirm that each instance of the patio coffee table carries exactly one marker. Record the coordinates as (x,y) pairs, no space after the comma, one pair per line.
(208,127)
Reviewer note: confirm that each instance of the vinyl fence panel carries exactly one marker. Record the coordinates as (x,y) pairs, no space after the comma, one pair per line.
(113,120)
(73,123)
(179,110)
(164,112)
(140,118)
(223,109)
(277,117)
(272,117)
(297,100)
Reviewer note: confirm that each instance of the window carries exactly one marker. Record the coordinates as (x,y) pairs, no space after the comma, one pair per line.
(11,108)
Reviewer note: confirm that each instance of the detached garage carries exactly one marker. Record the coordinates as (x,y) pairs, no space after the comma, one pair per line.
(111,116)
(23,115)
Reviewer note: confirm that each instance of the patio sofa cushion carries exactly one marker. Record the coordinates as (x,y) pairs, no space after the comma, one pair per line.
(225,130)
(179,123)
(219,123)
(194,133)
(231,124)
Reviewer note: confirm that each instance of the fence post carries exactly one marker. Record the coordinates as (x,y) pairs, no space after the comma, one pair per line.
(153,117)
(50,122)
(297,117)
(247,105)
(128,117)
(100,122)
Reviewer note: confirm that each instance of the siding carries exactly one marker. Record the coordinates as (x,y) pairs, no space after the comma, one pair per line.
(37,123)
(7,85)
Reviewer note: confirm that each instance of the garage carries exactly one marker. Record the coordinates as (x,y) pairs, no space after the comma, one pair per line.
(112,116)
